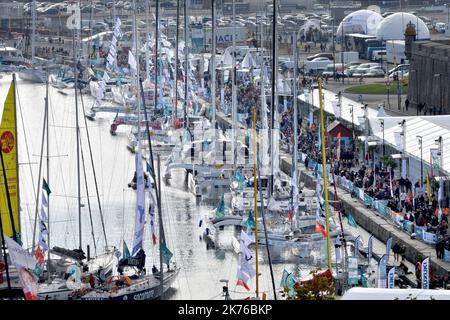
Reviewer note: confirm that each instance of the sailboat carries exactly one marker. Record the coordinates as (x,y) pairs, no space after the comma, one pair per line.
(57,287)
(133,283)
(137,285)
(9,197)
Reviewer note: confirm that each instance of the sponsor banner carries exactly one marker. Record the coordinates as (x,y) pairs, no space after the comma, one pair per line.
(429,237)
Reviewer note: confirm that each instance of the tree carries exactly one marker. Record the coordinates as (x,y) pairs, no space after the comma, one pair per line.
(388,161)
(318,288)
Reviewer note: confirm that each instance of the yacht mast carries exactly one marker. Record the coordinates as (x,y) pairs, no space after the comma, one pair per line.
(147,42)
(295,152)
(186,65)
(255,198)
(48,180)
(33,30)
(77,127)
(213,63)
(233,90)
(44,128)
(175,113)
(274,91)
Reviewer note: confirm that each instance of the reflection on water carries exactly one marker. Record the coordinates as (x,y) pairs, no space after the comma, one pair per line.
(201,269)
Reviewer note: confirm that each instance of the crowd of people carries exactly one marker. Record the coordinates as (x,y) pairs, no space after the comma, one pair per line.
(378,182)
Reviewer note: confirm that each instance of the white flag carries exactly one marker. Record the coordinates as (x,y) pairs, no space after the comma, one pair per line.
(388,248)
(19,257)
(140,203)
(132,62)
(426,273)
(391,278)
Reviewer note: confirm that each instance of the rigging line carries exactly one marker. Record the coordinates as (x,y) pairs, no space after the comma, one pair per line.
(28,154)
(39,177)
(93,169)
(169,217)
(51,112)
(214,297)
(88,201)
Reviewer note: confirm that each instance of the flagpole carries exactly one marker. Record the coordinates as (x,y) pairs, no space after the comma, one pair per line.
(336,198)
(255,200)
(325,178)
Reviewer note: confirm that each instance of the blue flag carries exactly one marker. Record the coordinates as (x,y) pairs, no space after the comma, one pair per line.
(351,221)
(220,210)
(250,223)
(167,255)
(126,252)
(283,279)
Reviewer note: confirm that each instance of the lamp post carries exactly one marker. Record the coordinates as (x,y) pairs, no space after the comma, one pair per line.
(438,141)
(353,126)
(382,127)
(417,89)
(440,92)
(421,161)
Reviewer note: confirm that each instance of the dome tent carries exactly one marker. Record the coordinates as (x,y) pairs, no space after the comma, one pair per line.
(361,21)
(393,27)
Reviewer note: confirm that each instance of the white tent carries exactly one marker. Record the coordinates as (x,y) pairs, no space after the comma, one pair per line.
(395,294)
(430,128)
(361,21)
(393,27)
(345,110)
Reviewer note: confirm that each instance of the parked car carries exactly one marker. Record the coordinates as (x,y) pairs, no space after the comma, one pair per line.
(339,67)
(321,55)
(400,74)
(440,27)
(400,67)
(351,70)
(363,68)
(375,72)
(321,59)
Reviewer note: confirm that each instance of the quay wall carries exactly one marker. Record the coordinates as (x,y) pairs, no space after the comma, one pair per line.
(365,217)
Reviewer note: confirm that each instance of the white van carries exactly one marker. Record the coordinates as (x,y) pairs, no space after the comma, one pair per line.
(440,27)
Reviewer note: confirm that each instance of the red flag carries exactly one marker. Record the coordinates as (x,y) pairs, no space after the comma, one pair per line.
(290,214)
(241,282)
(154,238)
(38,254)
(30,296)
(321,229)
(29,284)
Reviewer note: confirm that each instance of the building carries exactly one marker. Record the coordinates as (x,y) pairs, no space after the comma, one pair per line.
(429,75)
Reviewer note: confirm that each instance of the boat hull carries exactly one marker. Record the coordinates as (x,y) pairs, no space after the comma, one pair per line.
(33,75)
(140,292)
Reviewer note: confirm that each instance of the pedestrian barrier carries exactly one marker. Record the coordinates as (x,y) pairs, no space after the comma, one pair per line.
(446,255)
(381,207)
